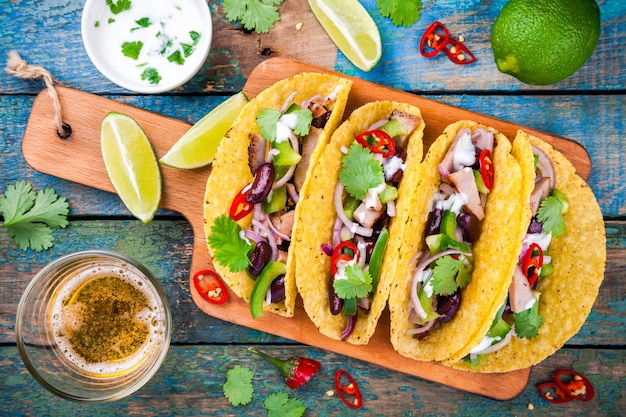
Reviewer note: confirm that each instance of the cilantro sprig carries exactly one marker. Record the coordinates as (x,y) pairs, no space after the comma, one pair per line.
(255,15)
(296,118)
(357,283)
(238,388)
(279,404)
(450,274)
(551,212)
(528,322)
(401,12)
(360,171)
(118,6)
(30,217)
(230,249)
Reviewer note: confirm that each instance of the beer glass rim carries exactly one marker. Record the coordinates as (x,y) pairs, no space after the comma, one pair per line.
(39,373)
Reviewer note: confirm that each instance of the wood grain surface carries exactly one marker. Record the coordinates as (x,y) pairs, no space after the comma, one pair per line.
(78,159)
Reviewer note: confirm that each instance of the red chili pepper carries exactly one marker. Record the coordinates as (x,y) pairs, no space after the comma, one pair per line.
(562,390)
(551,392)
(486,168)
(210,286)
(240,208)
(434,40)
(458,52)
(340,255)
(378,141)
(532,263)
(348,390)
(574,384)
(296,371)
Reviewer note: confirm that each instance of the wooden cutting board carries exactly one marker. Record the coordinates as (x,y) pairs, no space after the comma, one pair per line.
(79,159)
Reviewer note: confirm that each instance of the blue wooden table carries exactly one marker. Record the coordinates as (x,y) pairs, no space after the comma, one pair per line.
(588,107)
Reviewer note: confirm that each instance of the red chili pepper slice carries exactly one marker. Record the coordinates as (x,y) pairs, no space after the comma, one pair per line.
(532,263)
(552,392)
(378,141)
(240,208)
(210,286)
(574,384)
(340,255)
(458,52)
(434,40)
(486,168)
(348,390)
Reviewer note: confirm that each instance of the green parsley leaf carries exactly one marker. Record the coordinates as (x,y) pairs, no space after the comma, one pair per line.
(238,388)
(152,75)
(118,6)
(144,22)
(402,12)
(266,120)
(257,15)
(528,322)
(230,249)
(357,284)
(551,212)
(132,49)
(279,404)
(450,274)
(304,117)
(188,47)
(360,171)
(30,217)
(176,57)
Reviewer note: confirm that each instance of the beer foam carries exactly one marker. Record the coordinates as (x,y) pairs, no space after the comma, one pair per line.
(69,316)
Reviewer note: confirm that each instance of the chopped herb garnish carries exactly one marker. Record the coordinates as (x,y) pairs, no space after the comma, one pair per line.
(357,283)
(257,15)
(152,75)
(118,6)
(528,322)
(401,12)
(176,57)
(132,49)
(238,388)
(360,171)
(450,274)
(144,22)
(551,212)
(111,20)
(267,120)
(97,24)
(279,404)
(230,249)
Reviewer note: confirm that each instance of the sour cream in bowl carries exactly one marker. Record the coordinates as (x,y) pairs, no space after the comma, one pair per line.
(147,46)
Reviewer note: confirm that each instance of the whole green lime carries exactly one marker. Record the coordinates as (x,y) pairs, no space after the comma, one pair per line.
(545,41)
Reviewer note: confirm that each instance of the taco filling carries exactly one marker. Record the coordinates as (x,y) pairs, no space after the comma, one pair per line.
(278,158)
(365,202)
(444,265)
(519,316)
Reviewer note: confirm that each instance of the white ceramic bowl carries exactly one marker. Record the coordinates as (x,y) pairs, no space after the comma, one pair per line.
(166,30)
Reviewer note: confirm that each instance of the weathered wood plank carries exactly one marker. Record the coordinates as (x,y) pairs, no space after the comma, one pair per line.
(165,246)
(234,53)
(190,384)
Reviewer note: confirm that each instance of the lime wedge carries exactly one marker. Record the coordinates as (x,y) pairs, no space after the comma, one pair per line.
(196,148)
(352,29)
(131,164)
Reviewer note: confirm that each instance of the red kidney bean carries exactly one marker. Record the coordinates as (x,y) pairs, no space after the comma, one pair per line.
(336,303)
(277,289)
(261,255)
(262,184)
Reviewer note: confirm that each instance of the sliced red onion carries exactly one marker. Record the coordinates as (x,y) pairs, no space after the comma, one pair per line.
(327,249)
(545,166)
(276,232)
(361,246)
(271,239)
(287,102)
(422,329)
(337,231)
(305,103)
(496,346)
(377,124)
(283,180)
(443,171)
(293,193)
(252,235)
(349,327)
(352,226)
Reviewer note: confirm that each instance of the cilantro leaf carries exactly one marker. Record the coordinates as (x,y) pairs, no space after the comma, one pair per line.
(132,49)
(176,57)
(402,12)
(450,274)
(357,284)
(528,322)
(238,388)
(152,75)
(550,213)
(279,404)
(257,15)
(266,119)
(118,6)
(360,171)
(230,249)
(30,217)
(144,22)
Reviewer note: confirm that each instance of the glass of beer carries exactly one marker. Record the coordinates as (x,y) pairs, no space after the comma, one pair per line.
(93,326)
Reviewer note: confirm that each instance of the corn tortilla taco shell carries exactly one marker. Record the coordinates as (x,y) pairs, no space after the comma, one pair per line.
(494,255)
(231,171)
(319,214)
(579,258)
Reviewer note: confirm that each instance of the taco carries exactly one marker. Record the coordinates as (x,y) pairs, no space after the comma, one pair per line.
(352,218)
(259,173)
(458,255)
(558,274)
